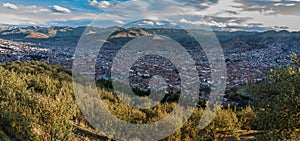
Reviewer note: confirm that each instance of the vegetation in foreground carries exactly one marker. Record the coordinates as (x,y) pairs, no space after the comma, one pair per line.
(37,103)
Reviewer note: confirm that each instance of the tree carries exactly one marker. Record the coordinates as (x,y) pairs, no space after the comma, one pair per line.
(276,102)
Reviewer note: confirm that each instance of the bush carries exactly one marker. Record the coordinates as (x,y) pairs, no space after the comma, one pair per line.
(276,102)
(35,106)
(3,136)
(225,124)
(247,118)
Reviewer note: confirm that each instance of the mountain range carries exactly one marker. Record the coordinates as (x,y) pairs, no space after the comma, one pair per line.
(37,32)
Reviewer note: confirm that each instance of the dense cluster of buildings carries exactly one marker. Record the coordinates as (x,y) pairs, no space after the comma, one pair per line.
(242,67)
(23,51)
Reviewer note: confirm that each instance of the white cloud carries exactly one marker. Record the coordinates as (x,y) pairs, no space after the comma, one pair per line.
(274,20)
(59,9)
(267,16)
(205,4)
(33,9)
(224,13)
(119,22)
(258,1)
(13,19)
(10,6)
(221,7)
(37,15)
(183,20)
(147,23)
(100,4)
(44,10)
(211,23)
(282,4)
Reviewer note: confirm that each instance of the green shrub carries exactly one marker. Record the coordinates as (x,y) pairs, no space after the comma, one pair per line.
(3,136)
(224,124)
(247,118)
(35,106)
(276,102)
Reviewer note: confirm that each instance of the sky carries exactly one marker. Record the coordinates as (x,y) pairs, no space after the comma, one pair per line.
(231,15)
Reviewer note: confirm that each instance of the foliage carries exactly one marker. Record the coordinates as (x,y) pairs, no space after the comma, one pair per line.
(224,124)
(247,118)
(36,101)
(276,102)
(3,136)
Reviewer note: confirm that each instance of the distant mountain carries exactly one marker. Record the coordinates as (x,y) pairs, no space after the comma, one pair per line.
(234,41)
(283,39)
(129,33)
(35,32)
(28,32)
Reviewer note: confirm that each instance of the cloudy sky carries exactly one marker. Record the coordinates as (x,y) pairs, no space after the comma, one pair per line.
(218,14)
